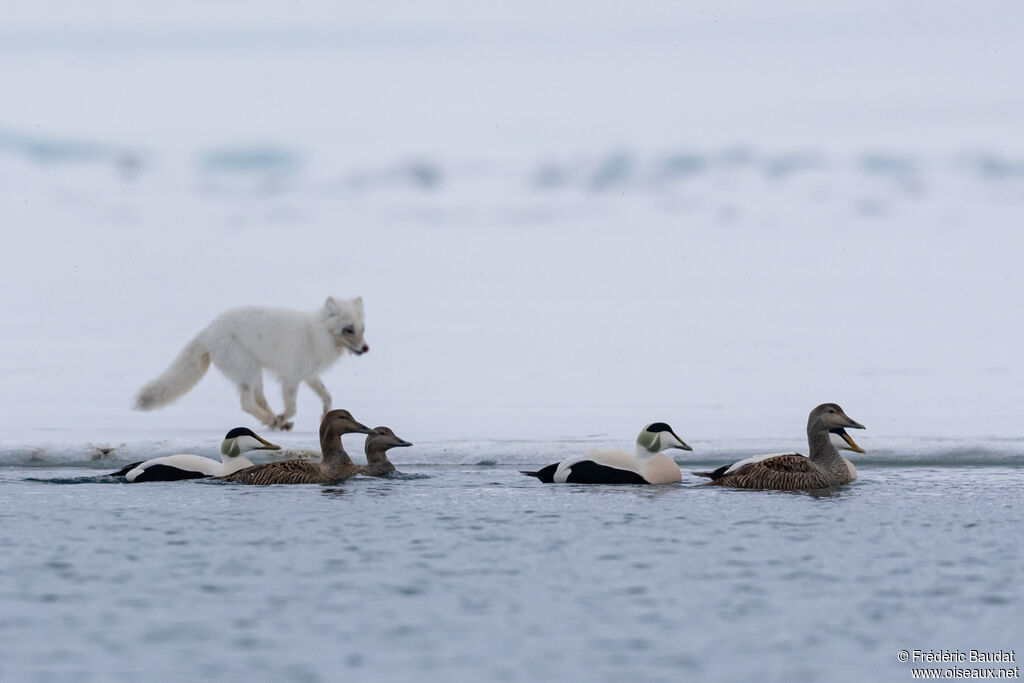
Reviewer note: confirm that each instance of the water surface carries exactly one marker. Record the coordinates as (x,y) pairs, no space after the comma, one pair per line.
(479,573)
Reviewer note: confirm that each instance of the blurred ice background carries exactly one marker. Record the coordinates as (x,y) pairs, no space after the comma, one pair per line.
(567,219)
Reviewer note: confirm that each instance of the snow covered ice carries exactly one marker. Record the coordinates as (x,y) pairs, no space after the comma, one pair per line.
(567,220)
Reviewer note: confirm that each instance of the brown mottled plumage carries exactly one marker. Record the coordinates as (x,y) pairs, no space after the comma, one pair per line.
(335,465)
(791,471)
(377,444)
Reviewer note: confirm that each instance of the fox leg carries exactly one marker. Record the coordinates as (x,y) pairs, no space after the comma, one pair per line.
(244,370)
(258,396)
(252,406)
(317,385)
(283,421)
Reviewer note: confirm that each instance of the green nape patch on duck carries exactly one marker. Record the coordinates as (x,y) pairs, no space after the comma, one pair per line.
(230,448)
(658,436)
(646,465)
(242,439)
(649,441)
(335,464)
(189,466)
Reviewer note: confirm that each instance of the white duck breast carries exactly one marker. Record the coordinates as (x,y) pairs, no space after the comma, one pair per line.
(647,466)
(188,466)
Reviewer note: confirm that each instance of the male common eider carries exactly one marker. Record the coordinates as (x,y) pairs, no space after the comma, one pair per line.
(377,444)
(792,471)
(335,465)
(647,466)
(186,466)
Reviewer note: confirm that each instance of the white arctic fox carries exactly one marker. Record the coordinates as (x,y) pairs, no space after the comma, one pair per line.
(294,345)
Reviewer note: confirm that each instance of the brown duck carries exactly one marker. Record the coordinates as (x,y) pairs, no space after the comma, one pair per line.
(335,465)
(380,440)
(792,471)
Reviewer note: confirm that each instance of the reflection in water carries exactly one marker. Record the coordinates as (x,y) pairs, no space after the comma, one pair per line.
(837,492)
(91,479)
(405,475)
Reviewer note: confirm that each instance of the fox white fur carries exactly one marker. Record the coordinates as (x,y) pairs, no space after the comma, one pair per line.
(294,345)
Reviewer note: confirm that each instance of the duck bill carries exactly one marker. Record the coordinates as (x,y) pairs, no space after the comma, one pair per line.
(849,441)
(853,424)
(683,446)
(362,429)
(402,444)
(267,446)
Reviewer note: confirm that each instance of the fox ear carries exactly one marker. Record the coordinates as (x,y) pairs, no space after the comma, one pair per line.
(358,301)
(331,305)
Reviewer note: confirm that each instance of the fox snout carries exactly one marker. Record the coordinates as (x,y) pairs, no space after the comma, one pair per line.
(356,346)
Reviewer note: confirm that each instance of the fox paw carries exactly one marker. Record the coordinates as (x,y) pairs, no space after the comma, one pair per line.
(282,423)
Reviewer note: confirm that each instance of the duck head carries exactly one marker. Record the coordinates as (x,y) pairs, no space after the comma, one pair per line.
(382,438)
(242,440)
(658,436)
(829,417)
(338,422)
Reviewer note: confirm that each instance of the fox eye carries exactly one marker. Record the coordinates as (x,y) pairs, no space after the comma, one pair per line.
(348,330)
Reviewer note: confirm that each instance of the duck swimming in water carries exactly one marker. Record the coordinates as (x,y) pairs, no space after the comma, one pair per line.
(792,471)
(335,465)
(648,465)
(380,440)
(187,466)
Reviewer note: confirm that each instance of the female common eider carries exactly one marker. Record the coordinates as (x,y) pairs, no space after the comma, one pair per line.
(377,444)
(186,466)
(792,471)
(335,465)
(647,466)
